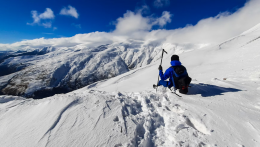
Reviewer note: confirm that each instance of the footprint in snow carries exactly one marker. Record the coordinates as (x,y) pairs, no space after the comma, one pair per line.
(168,108)
(118,145)
(180,127)
(116,119)
(202,144)
(159,104)
(91,91)
(197,126)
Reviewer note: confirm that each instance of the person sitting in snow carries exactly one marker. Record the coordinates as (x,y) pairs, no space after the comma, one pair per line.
(178,75)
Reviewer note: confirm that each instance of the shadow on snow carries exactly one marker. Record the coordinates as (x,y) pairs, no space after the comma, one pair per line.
(207,90)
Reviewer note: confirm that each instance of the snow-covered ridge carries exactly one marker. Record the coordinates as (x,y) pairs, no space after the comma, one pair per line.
(44,72)
(241,54)
(209,116)
(243,39)
(222,107)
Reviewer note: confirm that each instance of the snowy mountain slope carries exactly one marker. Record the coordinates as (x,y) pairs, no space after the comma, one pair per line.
(75,120)
(65,69)
(226,87)
(216,111)
(11,62)
(243,39)
(232,62)
(219,117)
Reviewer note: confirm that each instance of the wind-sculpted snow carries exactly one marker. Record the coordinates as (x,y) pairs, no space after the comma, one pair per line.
(94,118)
(60,70)
(133,119)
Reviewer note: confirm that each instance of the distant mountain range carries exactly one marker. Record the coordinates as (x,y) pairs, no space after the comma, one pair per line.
(44,72)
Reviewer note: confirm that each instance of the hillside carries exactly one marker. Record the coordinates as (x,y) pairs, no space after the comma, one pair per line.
(44,72)
(126,111)
(236,59)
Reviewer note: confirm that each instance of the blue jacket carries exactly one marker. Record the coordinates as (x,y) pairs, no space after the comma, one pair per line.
(169,73)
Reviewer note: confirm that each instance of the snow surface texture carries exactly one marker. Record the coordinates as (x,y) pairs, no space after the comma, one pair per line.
(67,69)
(222,107)
(145,119)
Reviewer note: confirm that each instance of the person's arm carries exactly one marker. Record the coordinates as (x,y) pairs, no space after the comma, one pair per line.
(166,75)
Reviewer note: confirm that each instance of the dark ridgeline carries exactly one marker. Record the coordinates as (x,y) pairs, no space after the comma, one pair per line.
(49,92)
(6,70)
(9,69)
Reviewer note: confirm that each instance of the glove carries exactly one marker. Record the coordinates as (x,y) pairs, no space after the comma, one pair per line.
(160,67)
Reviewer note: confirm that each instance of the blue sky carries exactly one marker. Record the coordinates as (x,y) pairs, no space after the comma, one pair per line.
(17,23)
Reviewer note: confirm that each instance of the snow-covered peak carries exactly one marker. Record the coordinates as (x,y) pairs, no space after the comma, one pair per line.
(243,39)
(238,57)
(253,29)
(47,49)
(222,107)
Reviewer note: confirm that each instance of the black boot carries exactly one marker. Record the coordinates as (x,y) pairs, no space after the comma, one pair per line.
(155,86)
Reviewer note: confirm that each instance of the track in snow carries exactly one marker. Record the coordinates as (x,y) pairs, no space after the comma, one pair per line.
(96,118)
(134,119)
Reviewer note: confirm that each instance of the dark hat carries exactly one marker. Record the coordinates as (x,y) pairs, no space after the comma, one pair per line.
(175,57)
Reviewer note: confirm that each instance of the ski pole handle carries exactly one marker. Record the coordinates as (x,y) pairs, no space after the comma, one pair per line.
(165,51)
(160,64)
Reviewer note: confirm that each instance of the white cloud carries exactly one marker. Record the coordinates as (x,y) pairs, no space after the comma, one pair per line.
(70,11)
(164,19)
(132,22)
(161,3)
(47,24)
(46,15)
(221,27)
(134,26)
(35,17)
(143,10)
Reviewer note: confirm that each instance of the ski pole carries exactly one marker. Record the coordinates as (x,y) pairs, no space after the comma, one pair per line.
(160,64)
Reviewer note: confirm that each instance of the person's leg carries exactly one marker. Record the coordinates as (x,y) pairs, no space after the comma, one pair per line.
(170,85)
(163,83)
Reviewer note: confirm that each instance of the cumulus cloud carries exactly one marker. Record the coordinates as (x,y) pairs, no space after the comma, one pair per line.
(69,11)
(144,9)
(47,24)
(133,22)
(161,3)
(221,27)
(134,26)
(164,19)
(38,18)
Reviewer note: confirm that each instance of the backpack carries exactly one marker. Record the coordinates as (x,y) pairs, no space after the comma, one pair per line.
(181,78)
